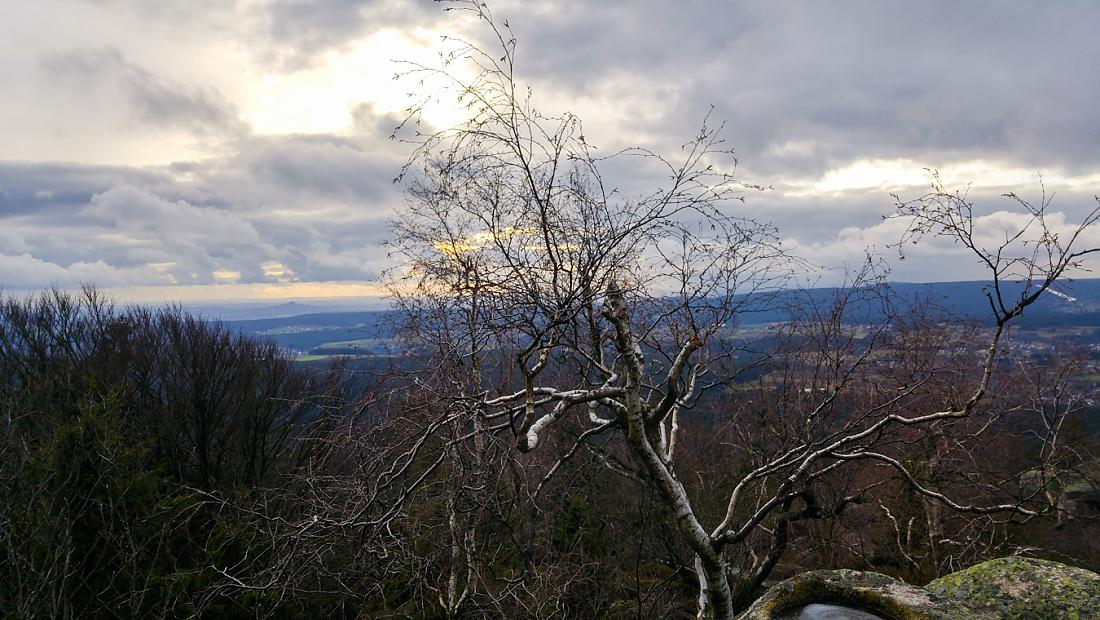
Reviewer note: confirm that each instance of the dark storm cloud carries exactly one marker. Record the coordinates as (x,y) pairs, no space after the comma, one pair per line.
(156,101)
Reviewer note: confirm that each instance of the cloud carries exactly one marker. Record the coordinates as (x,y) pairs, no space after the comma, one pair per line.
(179,12)
(286,209)
(940,258)
(134,236)
(152,100)
(12,243)
(847,80)
(321,165)
(24,271)
(835,105)
(295,34)
(54,188)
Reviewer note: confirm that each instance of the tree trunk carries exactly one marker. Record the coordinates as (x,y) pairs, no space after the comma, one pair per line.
(715,599)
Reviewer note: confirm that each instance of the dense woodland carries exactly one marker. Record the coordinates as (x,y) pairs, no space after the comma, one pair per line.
(156,465)
(574,423)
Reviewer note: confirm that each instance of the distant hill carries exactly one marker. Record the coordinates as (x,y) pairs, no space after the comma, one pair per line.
(258,311)
(352,332)
(244,311)
(1071,303)
(323,332)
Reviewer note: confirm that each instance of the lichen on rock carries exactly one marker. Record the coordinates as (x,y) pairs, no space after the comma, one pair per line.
(1024,588)
(1012,588)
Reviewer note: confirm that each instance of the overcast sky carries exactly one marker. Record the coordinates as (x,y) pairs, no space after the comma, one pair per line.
(211,149)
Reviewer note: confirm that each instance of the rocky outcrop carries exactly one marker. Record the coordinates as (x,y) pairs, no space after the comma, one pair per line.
(1024,588)
(1007,588)
(870,592)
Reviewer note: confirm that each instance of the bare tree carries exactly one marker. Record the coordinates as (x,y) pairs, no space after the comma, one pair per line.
(596,319)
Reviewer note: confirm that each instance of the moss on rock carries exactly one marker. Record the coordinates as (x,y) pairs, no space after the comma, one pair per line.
(1011,588)
(873,592)
(1018,588)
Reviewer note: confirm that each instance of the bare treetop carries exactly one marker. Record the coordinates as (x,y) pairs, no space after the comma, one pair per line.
(563,303)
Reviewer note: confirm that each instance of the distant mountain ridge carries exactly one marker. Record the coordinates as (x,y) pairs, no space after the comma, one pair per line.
(310,327)
(1075,302)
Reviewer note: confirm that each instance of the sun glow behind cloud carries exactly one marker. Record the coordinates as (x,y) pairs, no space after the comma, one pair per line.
(321,99)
